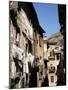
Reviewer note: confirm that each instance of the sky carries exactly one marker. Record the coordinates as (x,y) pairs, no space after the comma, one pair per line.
(48,17)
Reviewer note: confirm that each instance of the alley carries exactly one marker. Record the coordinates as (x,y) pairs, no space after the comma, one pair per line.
(35,60)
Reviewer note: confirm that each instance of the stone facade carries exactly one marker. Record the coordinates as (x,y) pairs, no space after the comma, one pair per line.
(54,58)
(45,48)
(34,61)
(38,44)
(24,38)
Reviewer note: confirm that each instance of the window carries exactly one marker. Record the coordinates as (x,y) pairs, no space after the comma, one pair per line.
(29,46)
(52,79)
(52,53)
(51,69)
(17,39)
(40,41)
(58,56)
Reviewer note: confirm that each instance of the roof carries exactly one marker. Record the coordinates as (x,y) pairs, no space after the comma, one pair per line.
(30,11)
(56,38)
(31,14)
(41,29)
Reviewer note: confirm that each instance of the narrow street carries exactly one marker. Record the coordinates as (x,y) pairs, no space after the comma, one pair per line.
(37,59)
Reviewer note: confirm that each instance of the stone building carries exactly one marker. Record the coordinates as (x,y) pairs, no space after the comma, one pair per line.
(52,67)
(21,34)
(26,36)
(45,48)
(38,38)
(62,22)
(62,18)
(55,55)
